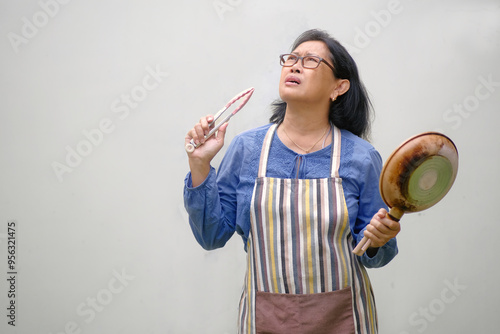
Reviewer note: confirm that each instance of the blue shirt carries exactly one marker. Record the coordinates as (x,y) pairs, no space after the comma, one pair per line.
(221,204)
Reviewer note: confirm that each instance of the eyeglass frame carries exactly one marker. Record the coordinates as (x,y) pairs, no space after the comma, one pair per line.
(282,61)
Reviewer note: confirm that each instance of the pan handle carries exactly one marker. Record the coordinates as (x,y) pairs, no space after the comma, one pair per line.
(395,214)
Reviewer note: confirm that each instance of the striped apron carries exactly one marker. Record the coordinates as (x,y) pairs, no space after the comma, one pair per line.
(302,276)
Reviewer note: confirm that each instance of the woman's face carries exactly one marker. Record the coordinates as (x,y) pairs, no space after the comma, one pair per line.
(306,85)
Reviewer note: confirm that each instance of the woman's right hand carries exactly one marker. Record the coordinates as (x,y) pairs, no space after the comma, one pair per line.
(200,158)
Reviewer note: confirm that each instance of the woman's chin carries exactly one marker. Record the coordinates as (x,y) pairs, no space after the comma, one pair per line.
(291,94)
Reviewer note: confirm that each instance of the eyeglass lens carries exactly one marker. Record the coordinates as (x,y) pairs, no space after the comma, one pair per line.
(307,61)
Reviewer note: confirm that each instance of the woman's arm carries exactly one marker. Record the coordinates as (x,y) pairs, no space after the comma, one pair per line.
(211,227)
(208,222)
(371,220)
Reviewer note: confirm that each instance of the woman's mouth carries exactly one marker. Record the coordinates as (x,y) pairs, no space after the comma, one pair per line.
(292,81)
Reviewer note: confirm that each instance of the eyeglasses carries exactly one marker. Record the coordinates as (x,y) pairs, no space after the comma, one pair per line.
(289,60)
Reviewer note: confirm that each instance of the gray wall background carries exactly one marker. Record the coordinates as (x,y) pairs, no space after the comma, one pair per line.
(103,244)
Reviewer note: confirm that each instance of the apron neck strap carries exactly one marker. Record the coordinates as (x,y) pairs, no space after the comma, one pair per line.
(264,154)
(335,155)
(335,160)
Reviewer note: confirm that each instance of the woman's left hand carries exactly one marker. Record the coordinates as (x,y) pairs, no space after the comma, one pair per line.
(381,229)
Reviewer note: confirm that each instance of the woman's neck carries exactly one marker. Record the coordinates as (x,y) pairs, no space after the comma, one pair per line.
(304,131)
(304,121)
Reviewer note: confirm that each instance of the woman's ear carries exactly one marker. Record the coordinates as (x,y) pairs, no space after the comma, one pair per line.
(343,86)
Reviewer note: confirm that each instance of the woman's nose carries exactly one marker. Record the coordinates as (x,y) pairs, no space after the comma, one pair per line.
(297,67)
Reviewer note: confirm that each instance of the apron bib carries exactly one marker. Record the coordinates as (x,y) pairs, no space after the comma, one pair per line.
(301,274)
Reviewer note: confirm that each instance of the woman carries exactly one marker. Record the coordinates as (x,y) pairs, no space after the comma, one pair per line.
(301,192)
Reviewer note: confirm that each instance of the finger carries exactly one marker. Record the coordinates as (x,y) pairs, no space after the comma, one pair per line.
(210,119)
(391,224)
(385,226)
(382,213)
(200,129)
(198,133)
(377,231)
(376,221)
(191,134)
(221,133)
(380,233)
(204,124)
(376,241)
(381,224)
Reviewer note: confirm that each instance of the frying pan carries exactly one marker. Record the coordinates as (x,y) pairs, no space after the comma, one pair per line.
(417,175)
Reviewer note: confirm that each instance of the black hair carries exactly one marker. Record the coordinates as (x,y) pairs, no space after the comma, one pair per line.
(350,111)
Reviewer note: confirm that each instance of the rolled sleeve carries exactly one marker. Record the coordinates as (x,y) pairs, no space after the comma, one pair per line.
(206,219)
(383,256)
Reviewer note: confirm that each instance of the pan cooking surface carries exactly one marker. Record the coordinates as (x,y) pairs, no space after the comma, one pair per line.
(429,182)
(419,173)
